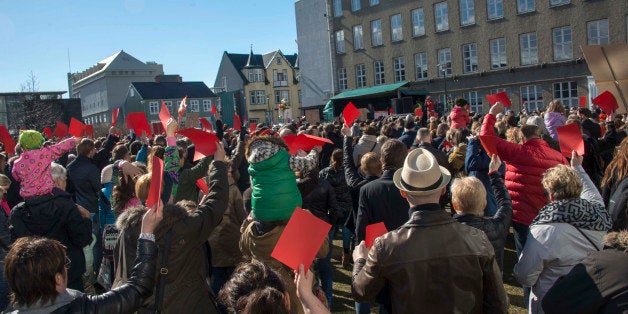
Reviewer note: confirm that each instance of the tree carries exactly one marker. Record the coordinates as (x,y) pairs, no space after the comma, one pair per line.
(31,84)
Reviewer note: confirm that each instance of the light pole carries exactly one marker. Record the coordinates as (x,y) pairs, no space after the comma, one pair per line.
(269,113)
(443,67)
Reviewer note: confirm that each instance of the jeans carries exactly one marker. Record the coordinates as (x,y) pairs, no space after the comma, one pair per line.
(220,276)
(323,265)
(346,239)
(365,308)
(521,234)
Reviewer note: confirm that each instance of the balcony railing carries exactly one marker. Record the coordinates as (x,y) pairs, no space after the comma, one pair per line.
(280,83)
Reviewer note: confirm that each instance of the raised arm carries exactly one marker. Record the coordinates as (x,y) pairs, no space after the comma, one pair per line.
(503,215)
(214,204)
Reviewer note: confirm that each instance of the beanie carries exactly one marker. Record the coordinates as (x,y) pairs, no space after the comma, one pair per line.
(30,139)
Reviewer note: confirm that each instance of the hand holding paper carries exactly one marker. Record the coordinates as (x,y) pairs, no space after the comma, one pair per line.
(374,231)
(350,113)
(157,173)
(570,139)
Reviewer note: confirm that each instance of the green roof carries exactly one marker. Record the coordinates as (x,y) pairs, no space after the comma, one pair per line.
(369,91)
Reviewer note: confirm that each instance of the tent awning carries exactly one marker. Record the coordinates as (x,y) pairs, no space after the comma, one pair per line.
(329,107)
(413,92)
(369,91)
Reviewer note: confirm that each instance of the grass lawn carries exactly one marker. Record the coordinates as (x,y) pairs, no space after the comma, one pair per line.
(343,303)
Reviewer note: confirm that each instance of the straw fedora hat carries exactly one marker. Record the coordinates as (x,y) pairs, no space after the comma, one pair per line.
(421,174)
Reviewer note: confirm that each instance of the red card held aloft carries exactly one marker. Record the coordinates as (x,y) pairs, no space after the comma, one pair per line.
(237,125)
(373,232)
(202,185)
(77,128)
(164,115)
(204,142)
(301,239)
(61,130)
(252,127)
(304,142)
(489,144)
(582,101)
(570,138)
(156,182)
(501,97)
(205,125)
(350,113)
(89,130)
(7,140)
(137,122)
(114,116)
(606,101)
(48,132)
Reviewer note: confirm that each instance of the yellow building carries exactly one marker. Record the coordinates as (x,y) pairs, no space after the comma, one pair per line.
(272,90)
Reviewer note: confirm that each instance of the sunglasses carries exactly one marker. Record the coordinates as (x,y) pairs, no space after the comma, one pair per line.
(68,263)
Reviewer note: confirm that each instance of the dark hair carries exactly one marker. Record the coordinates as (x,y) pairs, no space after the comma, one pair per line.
(386,130)
(530,131)
(370,130)
(336,159)
(135,147)
(123,192)
(160,140)
(119,152)
(254,288)
(85,147)
(393,154)
(30,268)
(585,112)
(460,102)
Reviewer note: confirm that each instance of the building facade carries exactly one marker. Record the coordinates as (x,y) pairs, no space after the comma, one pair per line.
(36,110)
(471,48)
(105,85)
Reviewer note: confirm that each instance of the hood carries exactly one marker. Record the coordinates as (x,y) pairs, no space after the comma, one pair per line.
(130,218)
(617,240)
(367,138)
(173,213)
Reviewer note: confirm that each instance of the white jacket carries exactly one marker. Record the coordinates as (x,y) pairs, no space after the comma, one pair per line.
(366,143)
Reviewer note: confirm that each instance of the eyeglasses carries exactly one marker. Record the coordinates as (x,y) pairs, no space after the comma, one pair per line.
(68,263)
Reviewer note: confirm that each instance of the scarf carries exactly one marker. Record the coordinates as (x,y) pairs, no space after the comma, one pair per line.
(577,212)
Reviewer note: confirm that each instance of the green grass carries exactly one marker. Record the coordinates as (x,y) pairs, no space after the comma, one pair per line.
(343,302)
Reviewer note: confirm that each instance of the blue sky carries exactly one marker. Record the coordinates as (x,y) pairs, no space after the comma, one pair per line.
(187,37)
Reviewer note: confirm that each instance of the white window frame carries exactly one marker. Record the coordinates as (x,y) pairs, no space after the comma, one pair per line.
(337,8)
(373,2)
(467,12)
(554,3)
(441,16)
(342,79)
(563,43)
(378,70)
(358,39)
(261,96)
(396,28)
(498,53)
(360,76)
(259,75)
(251,75)
(207,105)
(529,48)
(444,62)
(153,107)
(340,41)
(470,58)
(418,22)
(525,6)
(475,101)
(399,67)
(597,32)
(169,105)
(532,97)
(194,104)
(566,92)
(376,33)
(355,5)
(420,66)
(495,9)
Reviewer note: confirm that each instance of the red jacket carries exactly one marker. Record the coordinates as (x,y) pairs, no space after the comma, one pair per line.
(525,165)
(459,118)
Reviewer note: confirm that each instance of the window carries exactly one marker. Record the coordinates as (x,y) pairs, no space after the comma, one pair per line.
(444,62)
(495,9)
(558,2)
(258,97)
(207,105)
(532,97)
(282,94)
(524,6)
(470,58)
(252,98)
(342,79)
(278,61)
(467,12)
(259,75)
(169,105)
(563,49)
(420,64)
(442,17)
(251,77)
(529,49)
(498,53)
(395,28)
(360,76)
(355,5)
(418,23)
(194,104)
(376,33)
(567,92)
(474,100)
(340,42)
(597,32)
(280,78)
(373,2)
(153,107)
(400,69)
(337,8)
(358,43)
(379,72)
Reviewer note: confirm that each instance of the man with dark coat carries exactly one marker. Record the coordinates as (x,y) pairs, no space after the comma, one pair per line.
(409,134)
(589,127)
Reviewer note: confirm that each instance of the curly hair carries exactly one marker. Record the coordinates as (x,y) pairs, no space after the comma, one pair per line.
(562,182)
(617,169)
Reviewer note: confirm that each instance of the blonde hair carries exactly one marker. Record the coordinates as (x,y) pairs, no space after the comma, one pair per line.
(556,106)
(142,186)
(370,164)
(469,195)
(501,127)
(514,135)
(562,182)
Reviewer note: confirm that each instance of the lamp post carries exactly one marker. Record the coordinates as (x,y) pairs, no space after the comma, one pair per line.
(269,113)
(443,68)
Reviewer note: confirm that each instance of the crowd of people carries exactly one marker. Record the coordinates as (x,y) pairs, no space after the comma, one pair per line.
(76,236)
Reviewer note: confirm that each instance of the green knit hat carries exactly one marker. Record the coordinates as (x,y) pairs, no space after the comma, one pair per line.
(31,139)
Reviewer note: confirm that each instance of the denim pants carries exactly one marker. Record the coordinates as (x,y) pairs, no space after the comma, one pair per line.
(521,234)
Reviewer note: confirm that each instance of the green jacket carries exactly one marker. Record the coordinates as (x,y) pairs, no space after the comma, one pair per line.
(187,189)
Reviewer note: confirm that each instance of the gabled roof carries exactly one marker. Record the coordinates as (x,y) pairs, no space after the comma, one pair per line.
(241,60)
(123,61)
(172,90)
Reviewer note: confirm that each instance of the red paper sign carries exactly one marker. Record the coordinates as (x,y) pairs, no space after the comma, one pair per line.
(77,128)
(301,239)
(156,182)
(582,101)
(373,232)
(7,140)
(164,115)
(350,113)
(61,130)
(205,125)
(137,122)
(570,138)
(501,97)
(606,101)
(114,116)
(213,111)
(252,127)
(488,142)
(237,125)
(304,142)
(48,132)
(89,130)
(418,112)
(202,185)
(204,142)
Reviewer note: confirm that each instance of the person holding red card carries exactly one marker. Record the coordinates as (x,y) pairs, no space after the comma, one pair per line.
(554,117)
(431,263)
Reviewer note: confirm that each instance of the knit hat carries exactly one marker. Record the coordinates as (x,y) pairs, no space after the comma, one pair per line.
(31,139)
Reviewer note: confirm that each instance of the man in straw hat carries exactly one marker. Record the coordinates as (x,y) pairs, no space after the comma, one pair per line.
(432,263)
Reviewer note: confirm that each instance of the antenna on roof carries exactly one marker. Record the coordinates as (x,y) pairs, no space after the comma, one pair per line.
(69,64)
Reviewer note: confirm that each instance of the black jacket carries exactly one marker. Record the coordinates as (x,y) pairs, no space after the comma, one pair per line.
(321,200)
(102,157)
(341,190)
(5,235)
(496,227)
(84,182)
(55,216)
(591,128)
(355,181)
(328,149)
(615,197)
(408,138)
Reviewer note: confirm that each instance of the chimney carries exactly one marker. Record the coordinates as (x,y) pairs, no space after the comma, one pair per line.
(180,79)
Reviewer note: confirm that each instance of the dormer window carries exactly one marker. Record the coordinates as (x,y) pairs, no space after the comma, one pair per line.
(278,60)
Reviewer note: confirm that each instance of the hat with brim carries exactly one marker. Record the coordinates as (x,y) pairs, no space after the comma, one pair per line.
(421,174)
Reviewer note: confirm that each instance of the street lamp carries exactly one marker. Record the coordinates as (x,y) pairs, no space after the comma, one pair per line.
(443,68)
(269,113)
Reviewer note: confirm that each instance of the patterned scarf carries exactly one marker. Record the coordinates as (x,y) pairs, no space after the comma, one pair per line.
(579,213)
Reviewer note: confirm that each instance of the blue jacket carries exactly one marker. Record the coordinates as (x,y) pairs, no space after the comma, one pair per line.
(476,164)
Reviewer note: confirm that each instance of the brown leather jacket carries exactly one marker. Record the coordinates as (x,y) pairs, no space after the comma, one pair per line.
(432,264)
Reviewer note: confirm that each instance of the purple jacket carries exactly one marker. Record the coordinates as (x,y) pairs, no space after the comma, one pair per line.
(552,121)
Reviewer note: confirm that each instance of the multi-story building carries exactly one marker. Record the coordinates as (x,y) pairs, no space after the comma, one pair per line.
(471,48)
(104,86)
(261,83)
(36,110)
